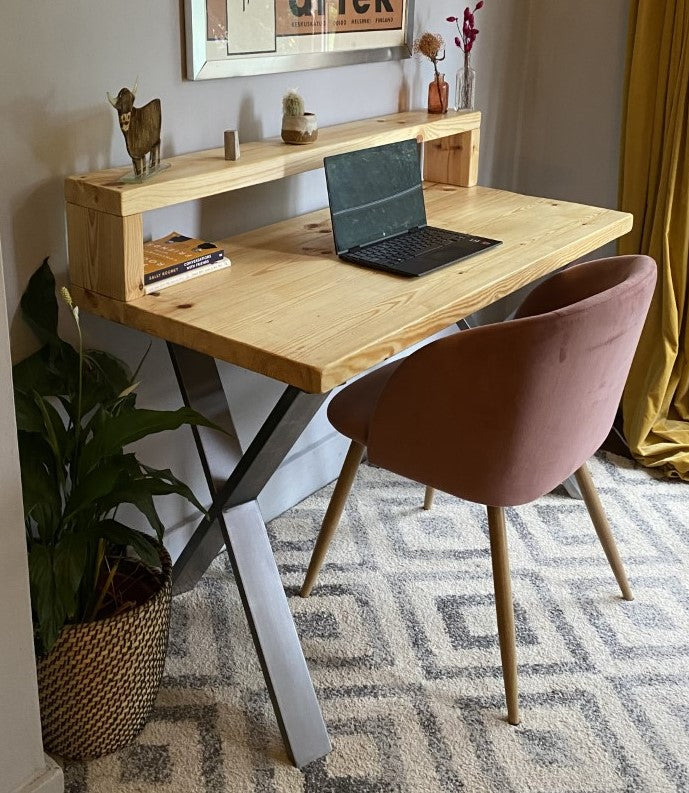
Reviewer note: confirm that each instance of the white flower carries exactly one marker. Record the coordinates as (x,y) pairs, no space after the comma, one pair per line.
(67,297)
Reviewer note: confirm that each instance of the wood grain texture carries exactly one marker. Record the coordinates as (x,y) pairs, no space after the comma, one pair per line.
(106,252)
(454,159)
(603,530)
(207,173)
(289,309)
(332,515)
(504,609)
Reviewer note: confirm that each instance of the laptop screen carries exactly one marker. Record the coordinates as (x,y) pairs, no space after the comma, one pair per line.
(374,193)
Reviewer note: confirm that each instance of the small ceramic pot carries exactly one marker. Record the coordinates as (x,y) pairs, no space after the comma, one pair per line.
(300,129)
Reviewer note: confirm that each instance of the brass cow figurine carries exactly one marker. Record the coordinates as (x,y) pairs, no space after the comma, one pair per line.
(141,129)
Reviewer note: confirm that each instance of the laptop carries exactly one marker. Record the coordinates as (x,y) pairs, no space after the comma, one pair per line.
(379,216)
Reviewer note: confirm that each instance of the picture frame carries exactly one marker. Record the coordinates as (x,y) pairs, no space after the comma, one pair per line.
(239,38)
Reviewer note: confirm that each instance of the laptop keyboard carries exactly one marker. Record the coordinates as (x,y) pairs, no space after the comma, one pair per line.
(406,246)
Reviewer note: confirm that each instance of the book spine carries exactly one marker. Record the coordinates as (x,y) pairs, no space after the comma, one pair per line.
(185,276)
(183,267)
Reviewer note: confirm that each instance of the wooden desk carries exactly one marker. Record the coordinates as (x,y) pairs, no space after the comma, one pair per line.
(289,309)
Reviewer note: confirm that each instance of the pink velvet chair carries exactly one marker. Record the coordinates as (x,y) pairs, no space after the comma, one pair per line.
(502,414)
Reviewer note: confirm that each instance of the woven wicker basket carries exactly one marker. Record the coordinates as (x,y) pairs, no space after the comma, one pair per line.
(98,683)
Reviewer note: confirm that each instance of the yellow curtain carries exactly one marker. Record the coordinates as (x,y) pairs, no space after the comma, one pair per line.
(655,188)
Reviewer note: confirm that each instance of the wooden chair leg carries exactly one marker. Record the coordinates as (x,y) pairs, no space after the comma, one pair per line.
(333,515)
(602,527)
(505,609)
(428,498)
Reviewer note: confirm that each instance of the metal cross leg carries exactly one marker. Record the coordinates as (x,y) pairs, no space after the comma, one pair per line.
(234,520)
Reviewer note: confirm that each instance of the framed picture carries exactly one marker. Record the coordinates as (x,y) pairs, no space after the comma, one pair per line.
(235,38)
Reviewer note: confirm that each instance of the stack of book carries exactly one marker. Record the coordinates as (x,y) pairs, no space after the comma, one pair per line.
(177,258)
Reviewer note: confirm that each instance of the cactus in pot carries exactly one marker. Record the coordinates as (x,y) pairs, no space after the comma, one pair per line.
(298,126)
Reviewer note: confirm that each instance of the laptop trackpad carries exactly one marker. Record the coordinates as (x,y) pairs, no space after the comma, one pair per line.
(434,260)
(447,254)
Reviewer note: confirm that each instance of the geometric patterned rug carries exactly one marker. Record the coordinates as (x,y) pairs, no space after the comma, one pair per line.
(400,637)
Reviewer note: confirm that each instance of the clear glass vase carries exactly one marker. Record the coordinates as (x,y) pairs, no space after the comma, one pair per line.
(465,88)
(438,95)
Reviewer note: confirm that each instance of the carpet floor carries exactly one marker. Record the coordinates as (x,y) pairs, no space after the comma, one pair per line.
(400,637)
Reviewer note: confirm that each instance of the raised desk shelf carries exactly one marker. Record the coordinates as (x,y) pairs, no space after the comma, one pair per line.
(105,217)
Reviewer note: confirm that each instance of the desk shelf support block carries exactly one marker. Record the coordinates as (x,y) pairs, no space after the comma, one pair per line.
(453,160)
(234,519)
(106,252)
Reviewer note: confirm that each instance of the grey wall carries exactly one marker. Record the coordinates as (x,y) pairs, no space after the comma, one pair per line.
(570,132)
(560,107)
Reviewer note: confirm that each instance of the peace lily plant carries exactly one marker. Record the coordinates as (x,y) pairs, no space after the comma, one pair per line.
(76,414)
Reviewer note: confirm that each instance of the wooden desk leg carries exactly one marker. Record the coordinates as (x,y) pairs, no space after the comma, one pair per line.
(235,520)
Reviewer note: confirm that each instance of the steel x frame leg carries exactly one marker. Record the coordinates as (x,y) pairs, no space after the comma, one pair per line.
(234,520)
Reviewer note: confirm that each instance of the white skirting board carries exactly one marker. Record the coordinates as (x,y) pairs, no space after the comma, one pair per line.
(49,781)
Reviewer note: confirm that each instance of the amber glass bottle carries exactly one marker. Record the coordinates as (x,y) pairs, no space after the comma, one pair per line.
(438,94)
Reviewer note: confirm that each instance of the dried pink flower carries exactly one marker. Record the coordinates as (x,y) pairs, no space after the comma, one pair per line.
(468,31)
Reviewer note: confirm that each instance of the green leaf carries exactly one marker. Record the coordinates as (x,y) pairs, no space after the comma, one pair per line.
(178,487)
(39,304)
(41,571)
(64,363)
(28,414)
(69,561)
(48,607)
(132,425)
(70,558)
(105,377)
(119,534)
(138,493)
(110,369)
(54,428)
(36,373)
(139,483)
(91,488)
(40,489)
(51,371)
(126,403)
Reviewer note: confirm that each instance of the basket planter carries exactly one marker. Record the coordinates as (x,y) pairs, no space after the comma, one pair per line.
(98,684)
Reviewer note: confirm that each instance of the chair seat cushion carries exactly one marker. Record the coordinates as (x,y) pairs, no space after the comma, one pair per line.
(350,410)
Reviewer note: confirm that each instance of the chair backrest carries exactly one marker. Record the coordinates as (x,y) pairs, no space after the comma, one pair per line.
(503,413)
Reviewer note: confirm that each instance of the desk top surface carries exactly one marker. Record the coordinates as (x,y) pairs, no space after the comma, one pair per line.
(290,309)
